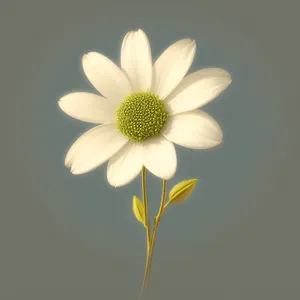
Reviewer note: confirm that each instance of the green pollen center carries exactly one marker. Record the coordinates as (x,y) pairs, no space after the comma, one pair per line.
(141,115)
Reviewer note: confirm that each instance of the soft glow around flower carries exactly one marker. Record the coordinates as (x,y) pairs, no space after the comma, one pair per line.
(141,115)
(144,109)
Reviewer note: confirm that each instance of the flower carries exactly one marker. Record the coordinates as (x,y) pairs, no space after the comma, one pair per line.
(144,109)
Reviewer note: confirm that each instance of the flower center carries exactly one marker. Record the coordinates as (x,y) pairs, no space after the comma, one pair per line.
(141,115)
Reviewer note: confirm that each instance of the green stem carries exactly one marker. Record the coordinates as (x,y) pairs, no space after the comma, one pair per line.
(156,223)
(144,188)
(148,231)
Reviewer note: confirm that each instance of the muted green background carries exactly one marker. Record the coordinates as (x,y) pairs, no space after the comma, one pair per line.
(74,237)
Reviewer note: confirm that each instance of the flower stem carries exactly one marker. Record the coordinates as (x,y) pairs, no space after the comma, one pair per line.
(151,238)
(156,223)
(144,188)
(148,231)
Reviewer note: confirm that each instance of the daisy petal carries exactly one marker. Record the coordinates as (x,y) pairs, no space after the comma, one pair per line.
(124,166)
(160,157)
(194,129)
(106,76)
(136,60)
(88,107)
(94,148)
(172,66)
(197,89)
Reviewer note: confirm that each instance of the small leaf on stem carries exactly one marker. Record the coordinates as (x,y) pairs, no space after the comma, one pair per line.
(181,191)
(138,209)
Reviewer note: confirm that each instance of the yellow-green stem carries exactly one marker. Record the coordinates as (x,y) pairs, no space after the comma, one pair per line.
(156,223)
(151,238)
(147,226)
(144,188)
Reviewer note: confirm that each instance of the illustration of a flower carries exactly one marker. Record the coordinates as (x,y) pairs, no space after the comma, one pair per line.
(144,109)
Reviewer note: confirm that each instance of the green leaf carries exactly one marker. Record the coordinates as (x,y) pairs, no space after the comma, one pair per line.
(138,209)
(181,191)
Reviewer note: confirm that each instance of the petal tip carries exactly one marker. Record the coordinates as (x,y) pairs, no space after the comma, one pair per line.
(68,163)
(88,55)
(192,43)
(75,171)
(59,103)
(109,179)
(218,142)
(188,40)
(170,175)
(114,183)
(227,76)
(118,183)
(192,47)
(62,104)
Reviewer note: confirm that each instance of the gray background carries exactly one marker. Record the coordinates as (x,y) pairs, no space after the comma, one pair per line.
(74,237)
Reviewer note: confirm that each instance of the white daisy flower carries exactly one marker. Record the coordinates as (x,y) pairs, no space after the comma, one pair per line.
(144,109)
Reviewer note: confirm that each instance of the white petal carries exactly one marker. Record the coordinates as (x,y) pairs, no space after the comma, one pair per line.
(172,66)
(194,129)
(198,89)
(136,60)
(94,148)
(124,166)
(88,107)
(106,76)
(160,157)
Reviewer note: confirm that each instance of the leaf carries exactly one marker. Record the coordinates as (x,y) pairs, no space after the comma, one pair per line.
(181,191)
(138,209)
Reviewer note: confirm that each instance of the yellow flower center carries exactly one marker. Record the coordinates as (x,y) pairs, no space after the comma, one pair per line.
(141,115)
